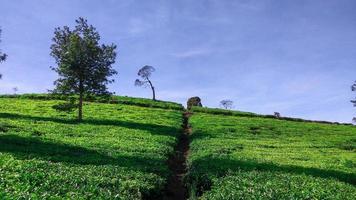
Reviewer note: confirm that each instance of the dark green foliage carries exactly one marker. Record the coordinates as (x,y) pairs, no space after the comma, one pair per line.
(83,65)
(4,127)
(68,106)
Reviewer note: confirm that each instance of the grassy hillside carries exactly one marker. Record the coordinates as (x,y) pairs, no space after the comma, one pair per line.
(244,157)
(121,148)
(118,151)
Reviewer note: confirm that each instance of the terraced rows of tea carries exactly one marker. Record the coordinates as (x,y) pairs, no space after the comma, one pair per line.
(126,148)
(117,151)
(241,157)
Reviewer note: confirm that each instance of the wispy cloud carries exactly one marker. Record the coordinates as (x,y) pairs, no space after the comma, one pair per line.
(192,53)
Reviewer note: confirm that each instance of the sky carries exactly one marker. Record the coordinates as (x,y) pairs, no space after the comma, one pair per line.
(293,57)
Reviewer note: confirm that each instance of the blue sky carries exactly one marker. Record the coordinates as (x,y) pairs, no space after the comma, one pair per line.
(294,57)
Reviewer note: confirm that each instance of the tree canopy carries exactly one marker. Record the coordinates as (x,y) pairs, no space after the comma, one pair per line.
(83,65)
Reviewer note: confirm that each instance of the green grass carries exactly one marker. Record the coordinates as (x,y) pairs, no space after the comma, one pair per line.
(118,151)
(240,157)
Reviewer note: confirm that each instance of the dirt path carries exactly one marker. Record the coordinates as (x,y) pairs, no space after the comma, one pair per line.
(176,189)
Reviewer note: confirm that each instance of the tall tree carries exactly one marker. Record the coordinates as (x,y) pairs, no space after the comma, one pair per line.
(145,73)
(3,56)
(83,65)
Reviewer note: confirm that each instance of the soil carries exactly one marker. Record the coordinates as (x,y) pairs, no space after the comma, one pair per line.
(176,189)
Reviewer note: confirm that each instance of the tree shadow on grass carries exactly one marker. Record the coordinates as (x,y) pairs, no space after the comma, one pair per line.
(154,129)
(29,147)
(213,166)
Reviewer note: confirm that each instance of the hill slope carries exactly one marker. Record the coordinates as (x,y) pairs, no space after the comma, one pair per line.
(118,151)
(121,149)
(241,157)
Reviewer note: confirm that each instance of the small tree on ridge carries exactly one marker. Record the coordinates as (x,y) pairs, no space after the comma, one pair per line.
(145,73)
(353,88)
(3,56)
(226,104)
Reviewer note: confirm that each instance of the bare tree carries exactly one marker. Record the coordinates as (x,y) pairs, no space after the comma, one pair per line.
(226,104)
(145,73)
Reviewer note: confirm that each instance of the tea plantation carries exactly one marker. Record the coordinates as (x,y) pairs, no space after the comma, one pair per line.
(118,151)
(121,150)
(243,157)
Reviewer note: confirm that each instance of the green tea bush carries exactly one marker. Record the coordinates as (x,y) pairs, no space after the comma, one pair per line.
(218,111)
(277,185)
(118,151)
(68,106)
(242,157)
(103,99)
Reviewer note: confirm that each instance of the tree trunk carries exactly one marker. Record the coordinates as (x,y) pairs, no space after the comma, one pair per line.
(80,105)
(153,94)
(153,90)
